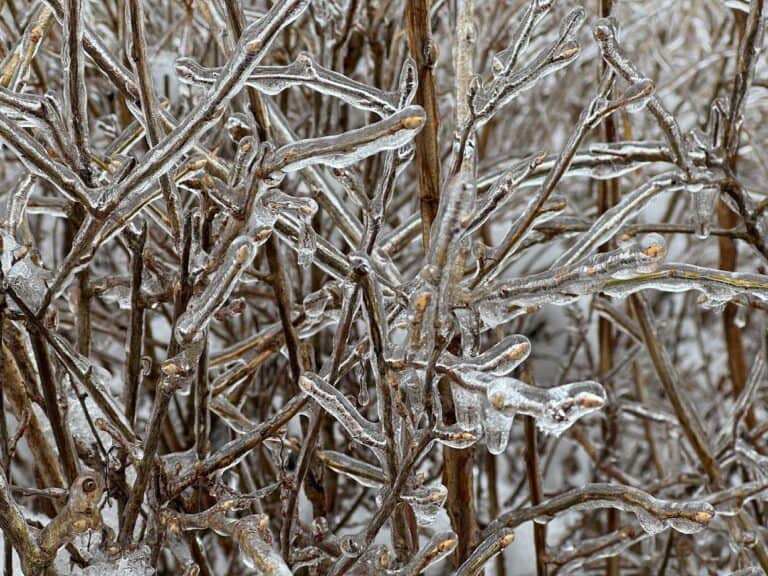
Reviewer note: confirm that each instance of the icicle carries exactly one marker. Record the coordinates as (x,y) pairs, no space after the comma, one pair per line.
(703,210)
(363,398)
(467,406)
(468,323)
(496,429)
(413,383)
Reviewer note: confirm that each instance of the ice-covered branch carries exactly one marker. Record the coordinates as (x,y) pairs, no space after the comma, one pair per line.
(303,72)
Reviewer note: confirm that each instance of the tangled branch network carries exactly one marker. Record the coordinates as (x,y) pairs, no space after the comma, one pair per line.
(363,287)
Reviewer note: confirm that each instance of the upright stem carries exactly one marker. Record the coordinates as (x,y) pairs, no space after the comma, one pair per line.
(50,395)
(152,119)
(534,481)
(424,52)
(749,34)
(151,444)
(136,331)
(459,464)
(278,277)
(458,478)
(5,455)
(76,99)
(608,194)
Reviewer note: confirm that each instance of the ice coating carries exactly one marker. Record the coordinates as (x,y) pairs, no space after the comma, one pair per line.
(427,502)
(28,281)
(342,409)
(505,60)
(438,547)
(128,563)
(555,409)
(655,514)
(304,71)
(611,221)
(500,359)
(361,472)
(608,546)
(202,307)
(505,88)
(718,286)
(455,209)
(258,554)
(455,436)
(345,182)
(351,147)
(503,191)
(17,203)
(563,285)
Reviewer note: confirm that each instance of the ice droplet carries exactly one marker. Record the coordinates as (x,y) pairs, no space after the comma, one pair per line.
(413,383)
(496,428)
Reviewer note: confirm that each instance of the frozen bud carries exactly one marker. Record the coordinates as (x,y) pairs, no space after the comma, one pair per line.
(606,29)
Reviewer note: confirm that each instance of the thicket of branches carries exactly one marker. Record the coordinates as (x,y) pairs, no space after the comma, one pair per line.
(379,287)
